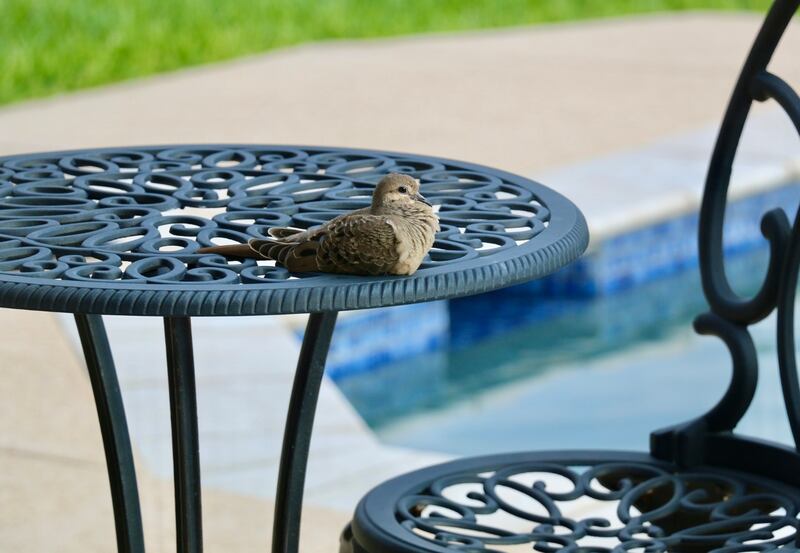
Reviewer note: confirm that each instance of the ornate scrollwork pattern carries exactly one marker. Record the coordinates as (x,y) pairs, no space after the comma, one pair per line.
(138,216)
(605,507)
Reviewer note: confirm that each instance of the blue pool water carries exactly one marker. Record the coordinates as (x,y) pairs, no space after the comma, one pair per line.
(598,373)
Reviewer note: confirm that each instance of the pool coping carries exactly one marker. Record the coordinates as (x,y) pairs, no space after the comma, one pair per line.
(616,200)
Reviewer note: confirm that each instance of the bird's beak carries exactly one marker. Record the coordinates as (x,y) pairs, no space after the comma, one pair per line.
(421,198)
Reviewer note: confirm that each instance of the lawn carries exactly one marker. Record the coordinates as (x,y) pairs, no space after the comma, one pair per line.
(51,46)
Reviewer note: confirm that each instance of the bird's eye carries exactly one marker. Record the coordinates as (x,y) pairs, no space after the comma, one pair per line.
(402,189)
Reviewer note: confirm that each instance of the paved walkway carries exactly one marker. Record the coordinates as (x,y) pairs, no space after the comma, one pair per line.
(529,100)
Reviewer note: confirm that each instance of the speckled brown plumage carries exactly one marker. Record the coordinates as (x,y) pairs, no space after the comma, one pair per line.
(391,236)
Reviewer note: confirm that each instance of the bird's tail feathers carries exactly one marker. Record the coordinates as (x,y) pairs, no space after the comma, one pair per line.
(272,249)
(232,250)
(283,232)
(297,257)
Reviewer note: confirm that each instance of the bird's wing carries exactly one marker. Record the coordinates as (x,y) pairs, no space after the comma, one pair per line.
(291,234)
(358,243)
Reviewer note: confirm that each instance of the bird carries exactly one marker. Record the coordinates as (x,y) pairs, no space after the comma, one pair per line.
(390,237)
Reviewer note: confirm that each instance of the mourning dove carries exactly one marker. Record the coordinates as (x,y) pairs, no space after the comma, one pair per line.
(391,236)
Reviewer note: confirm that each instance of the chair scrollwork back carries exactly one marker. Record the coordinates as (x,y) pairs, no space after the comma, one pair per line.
(709,439)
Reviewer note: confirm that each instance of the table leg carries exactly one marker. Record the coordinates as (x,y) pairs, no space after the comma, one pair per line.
(114,430)
(297,433)
(185,444)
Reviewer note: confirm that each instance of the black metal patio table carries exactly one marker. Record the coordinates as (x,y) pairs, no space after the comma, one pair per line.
(116,231)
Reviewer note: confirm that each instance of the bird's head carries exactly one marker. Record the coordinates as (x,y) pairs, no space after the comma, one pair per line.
(397,191)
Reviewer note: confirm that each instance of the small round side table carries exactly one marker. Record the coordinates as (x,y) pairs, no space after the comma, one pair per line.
(116,231)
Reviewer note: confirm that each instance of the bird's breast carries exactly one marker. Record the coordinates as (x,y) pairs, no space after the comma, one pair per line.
(413,242)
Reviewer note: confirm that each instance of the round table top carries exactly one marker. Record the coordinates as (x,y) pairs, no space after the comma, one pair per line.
(116,230)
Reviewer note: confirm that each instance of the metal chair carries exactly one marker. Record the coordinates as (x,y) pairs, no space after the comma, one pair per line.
(702,487)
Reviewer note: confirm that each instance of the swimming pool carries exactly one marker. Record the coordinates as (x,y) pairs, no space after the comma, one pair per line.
(599,373)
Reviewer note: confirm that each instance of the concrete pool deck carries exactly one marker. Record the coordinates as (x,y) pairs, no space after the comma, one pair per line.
(539,101)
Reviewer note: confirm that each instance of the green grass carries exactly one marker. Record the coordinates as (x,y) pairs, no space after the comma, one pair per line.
(51,46)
